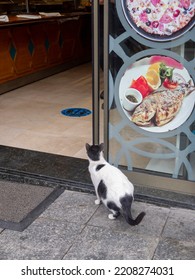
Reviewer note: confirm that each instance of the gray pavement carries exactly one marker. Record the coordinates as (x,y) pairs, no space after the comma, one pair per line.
(73,227)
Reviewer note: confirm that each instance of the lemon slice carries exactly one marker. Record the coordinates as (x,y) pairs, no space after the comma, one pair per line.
(155,67)
(153,79)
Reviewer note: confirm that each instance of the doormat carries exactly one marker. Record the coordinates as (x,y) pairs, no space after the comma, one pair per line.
(21,204)
(76,112)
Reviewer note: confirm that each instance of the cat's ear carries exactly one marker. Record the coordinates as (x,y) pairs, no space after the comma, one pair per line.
(101,146)
(87,146)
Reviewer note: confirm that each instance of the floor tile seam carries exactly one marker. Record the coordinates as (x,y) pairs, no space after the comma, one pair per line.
(61,221)
(171,211)
(84,226)
(60,205)
(125,232)
(41,133)
(163,228)
(154,253)
(2,230)
(46,218)
(161,233)
(73,242)
(182,239)
(172,239)
(178,239)
(63,256)
(97,207)
(184,210)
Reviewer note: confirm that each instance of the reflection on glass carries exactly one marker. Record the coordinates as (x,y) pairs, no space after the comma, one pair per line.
(158,145)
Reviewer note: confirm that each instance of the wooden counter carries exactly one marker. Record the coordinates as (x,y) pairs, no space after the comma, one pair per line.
(16,20)
(36,46)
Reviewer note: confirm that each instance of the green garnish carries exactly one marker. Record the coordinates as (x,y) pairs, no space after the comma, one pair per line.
(165,72)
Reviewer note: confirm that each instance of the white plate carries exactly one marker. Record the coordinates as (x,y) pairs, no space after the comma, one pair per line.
(187,105)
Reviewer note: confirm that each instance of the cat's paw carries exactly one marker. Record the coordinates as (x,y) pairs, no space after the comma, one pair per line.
(97,201)
(111,217)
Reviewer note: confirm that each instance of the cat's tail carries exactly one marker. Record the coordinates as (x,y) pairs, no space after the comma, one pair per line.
(126,203)
(135,222)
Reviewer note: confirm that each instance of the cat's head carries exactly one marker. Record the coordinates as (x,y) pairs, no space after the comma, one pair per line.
(94,151)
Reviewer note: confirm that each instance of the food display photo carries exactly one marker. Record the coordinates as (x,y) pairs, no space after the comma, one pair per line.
(157,93)
(160,19)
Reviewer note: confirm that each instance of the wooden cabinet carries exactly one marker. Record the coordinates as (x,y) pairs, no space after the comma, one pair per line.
(53,32)
(30,47)
(38,53)
(22,59)
(7,70)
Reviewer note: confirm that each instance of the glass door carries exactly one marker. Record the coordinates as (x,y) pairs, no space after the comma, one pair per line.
(149,79)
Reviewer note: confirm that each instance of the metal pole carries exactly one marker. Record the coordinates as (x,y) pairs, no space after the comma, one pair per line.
(27,6)
(95,77)
(106,77)
(75,4)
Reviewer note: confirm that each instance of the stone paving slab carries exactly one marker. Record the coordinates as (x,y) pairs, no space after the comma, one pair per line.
(178,237)
(102,244)
(151,225)
(180,225)
(43,239)
(73,227)
(174,249)
(74,207)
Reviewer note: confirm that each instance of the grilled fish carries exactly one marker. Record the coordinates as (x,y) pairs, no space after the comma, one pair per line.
(161,107)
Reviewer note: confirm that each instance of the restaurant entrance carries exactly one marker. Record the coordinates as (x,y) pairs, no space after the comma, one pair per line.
(149,95)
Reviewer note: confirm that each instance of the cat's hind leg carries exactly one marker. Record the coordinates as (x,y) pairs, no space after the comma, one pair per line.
(101,192)
(98,199)
(114,209)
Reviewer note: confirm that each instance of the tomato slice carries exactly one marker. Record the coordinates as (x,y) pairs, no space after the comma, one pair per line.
(141,85)
(170,84)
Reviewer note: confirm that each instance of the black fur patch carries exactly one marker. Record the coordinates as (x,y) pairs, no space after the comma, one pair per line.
(99,167)
(102,190)
(126,202)
(111,205)
(93,152)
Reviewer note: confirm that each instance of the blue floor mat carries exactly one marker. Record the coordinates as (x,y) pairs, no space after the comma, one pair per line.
(76,112)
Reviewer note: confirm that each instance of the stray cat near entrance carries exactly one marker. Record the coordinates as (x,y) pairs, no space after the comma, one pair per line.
(112,187)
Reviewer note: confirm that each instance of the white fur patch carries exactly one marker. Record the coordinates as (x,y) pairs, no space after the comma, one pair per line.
(111,217)
(97,201)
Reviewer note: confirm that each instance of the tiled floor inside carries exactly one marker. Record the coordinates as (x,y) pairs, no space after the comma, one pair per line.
(30,116)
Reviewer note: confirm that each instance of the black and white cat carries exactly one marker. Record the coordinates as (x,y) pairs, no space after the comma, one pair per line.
(112,187)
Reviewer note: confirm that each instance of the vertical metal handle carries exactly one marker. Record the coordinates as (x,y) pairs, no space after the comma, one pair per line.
(27,6)
(106,77)
(95,74)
